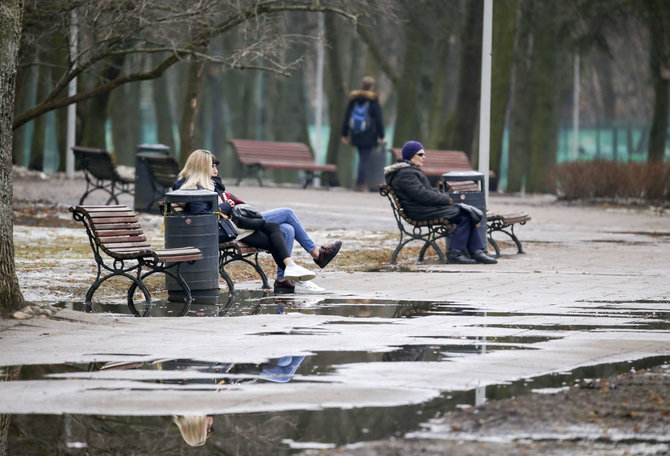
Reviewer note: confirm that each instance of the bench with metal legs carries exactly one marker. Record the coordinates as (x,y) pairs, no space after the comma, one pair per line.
(427,231)
(115,232)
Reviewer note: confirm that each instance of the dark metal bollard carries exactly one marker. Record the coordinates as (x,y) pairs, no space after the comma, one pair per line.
(143,189)
(183,229)
(473,198)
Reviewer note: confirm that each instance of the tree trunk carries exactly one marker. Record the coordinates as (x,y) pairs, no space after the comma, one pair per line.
(504,31)
(459,132)
(337,99)
(163,111)
(94,112)
(11,298)
(659,61)
(124,110)
(539,83)
(190,110)
(408,124)
(37,140)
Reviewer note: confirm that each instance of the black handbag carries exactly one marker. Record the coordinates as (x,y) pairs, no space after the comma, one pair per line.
(247,217)
(227,231)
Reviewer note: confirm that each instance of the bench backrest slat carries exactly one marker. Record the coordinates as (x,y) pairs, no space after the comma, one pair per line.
(445,160)
(115,229)
(249,150)
(163,168)
(98,162)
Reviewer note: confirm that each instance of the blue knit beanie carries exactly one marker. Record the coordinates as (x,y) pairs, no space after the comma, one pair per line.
(410,148)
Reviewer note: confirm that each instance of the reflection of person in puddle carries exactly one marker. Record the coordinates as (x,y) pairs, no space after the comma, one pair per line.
(194,428)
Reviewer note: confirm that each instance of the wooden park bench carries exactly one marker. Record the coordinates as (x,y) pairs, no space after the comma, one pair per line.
(116,232)
(162,170)
(254,156)
(101,174)
(230,252)
(426,231)
(439,162)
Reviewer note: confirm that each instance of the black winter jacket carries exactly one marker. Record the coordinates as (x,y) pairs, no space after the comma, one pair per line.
(418,198)
(368,138)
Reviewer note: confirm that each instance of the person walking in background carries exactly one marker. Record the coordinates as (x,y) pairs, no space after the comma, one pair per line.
(421,201)
(363,122)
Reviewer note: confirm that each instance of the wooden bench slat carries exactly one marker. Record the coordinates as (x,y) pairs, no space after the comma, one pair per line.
(276,155)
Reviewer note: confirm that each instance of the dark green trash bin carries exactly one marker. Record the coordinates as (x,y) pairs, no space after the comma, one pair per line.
(473,198)
(183,229)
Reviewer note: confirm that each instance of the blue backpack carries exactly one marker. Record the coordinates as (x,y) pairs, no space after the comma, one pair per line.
(360,118)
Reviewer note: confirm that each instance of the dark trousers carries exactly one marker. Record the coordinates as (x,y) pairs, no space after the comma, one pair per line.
(269,238)
(363,159)
(466,235)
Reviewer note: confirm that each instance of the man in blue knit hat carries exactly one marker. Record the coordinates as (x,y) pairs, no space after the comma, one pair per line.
(421,201)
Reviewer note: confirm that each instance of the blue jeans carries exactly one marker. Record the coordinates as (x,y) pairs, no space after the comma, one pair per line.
(292,230)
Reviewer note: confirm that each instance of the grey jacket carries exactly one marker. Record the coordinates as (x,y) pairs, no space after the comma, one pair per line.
(418,198)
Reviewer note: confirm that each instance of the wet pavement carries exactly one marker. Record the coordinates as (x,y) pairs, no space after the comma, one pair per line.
(377,356)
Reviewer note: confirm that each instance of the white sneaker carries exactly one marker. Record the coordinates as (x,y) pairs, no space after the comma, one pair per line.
(298,273)
(308,287)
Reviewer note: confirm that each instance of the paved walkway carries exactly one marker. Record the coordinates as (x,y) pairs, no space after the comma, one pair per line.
(592,289)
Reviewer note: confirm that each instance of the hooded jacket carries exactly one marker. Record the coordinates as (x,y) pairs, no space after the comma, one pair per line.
(418,198)
(370,137)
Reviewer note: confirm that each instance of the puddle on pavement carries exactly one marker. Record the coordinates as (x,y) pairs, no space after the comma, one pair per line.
(289,432)
(265,433)
(255,302)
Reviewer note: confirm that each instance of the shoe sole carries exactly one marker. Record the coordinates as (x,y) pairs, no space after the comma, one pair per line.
(301,278)
(337,250)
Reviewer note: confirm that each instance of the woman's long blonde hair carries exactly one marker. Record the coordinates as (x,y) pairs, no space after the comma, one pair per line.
(193,428)
(198,170)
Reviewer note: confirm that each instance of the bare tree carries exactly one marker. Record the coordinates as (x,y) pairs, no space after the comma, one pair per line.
(11,298)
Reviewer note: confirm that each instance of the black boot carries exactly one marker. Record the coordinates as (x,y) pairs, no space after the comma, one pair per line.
(481,257)
(459,257)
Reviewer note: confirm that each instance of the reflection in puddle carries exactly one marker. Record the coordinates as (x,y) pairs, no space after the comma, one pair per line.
(267,433)
(288,432)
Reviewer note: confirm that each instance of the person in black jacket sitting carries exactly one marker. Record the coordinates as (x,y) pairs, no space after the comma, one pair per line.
(421,201)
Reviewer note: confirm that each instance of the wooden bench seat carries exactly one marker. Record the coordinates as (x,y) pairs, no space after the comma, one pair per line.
(426,231)
(254,156)
(115,232)
(101,174)
(504,223)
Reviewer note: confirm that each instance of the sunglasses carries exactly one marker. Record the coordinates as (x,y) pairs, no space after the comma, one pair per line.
(421,154)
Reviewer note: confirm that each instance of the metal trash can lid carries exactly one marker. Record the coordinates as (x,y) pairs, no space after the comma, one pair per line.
(463,175)
(160,148)
(191,194)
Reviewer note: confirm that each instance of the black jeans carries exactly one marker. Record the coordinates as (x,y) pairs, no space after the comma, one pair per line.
(269,238)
